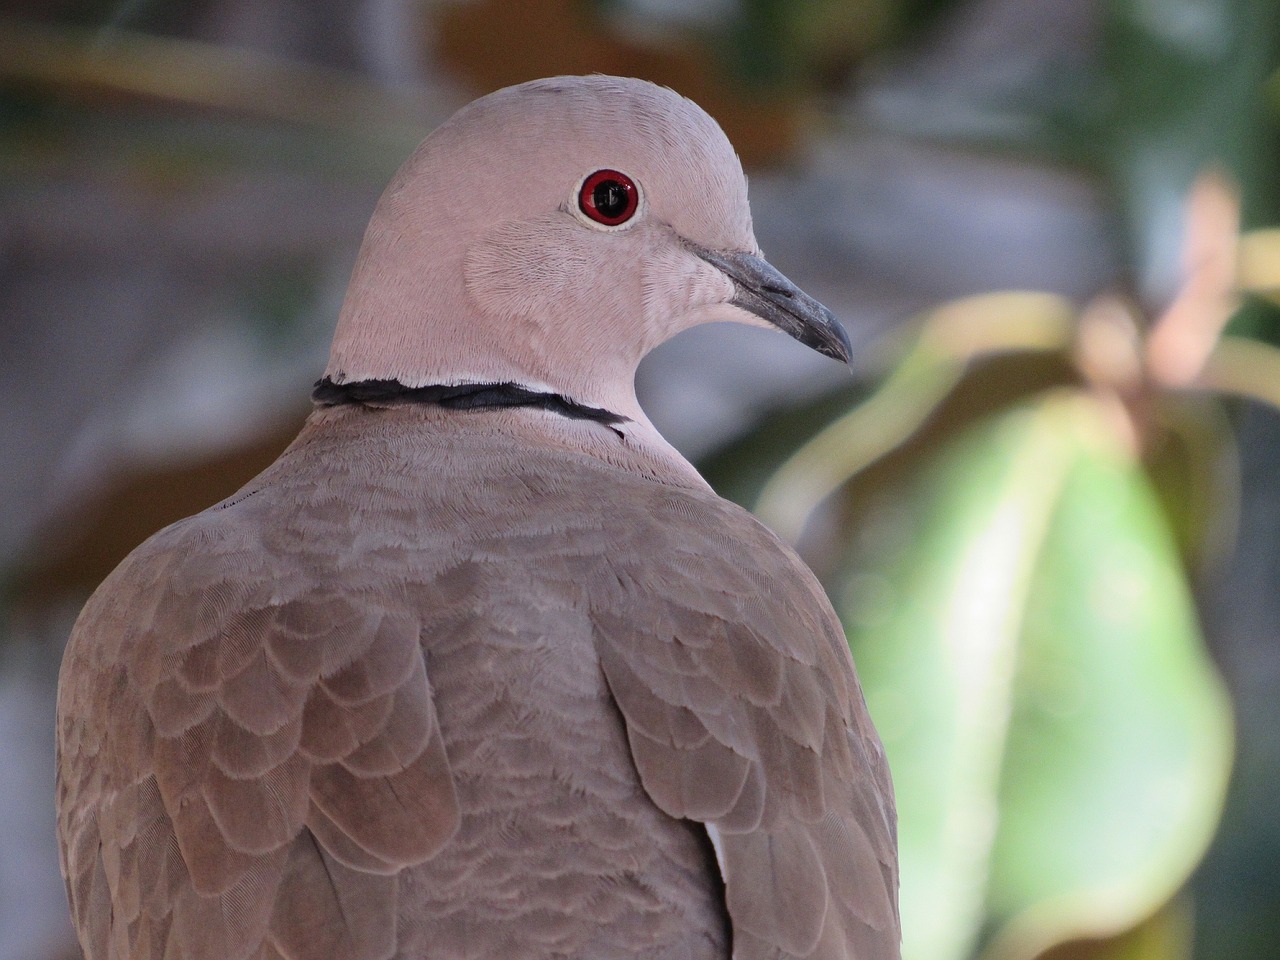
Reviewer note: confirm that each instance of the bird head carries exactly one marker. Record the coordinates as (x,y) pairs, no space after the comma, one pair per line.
(550,235)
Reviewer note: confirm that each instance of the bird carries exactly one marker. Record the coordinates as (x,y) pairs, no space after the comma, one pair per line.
(480,666)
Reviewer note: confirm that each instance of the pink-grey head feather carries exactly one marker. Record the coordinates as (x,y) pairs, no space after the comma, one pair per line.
(478,267)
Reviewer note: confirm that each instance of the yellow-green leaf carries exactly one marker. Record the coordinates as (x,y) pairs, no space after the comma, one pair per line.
(1059,740)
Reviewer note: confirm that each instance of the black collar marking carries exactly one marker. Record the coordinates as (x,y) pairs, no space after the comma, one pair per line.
(462,396)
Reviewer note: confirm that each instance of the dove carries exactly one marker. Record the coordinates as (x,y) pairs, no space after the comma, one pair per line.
(481,667)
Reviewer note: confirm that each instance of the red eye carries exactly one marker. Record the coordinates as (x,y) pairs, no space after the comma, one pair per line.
(609,197)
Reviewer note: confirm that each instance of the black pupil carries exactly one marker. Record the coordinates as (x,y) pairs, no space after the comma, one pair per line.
(610,198)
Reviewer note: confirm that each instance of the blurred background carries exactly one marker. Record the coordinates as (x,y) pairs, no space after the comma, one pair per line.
(1046,503)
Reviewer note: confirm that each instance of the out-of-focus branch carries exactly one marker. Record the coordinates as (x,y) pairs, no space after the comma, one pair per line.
(1260,263)
(83,61)
(1243,368)
(1183,337)
(953,336)
(1185,349)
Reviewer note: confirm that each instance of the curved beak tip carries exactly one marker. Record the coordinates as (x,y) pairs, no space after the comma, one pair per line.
(761,289)
(836,343)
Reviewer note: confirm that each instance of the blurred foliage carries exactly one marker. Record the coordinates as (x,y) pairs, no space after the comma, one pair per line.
(1015,567)
(821,42)
(1060,744)
(183,106)
(1017,595)
(767,46)
(1186,87)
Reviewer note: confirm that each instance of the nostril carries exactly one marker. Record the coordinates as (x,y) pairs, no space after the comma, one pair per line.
(786,293)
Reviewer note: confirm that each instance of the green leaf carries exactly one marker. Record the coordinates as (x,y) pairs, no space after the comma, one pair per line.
(1165,935)
(1059,741)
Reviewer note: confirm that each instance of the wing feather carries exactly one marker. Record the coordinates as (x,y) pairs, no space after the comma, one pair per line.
(743,710)
(326,909)
(227,737)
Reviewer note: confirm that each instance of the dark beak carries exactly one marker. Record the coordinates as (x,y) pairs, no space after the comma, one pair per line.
(762,290)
